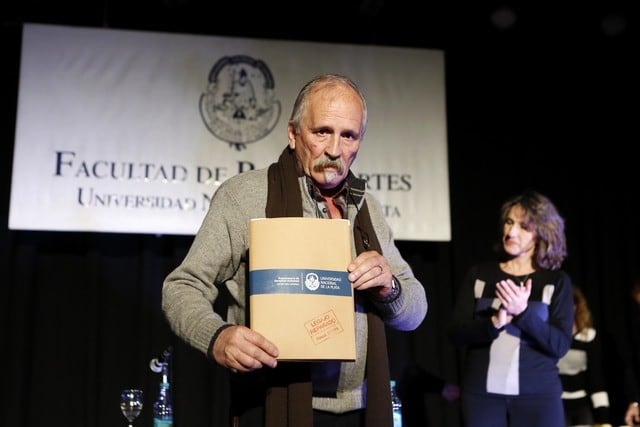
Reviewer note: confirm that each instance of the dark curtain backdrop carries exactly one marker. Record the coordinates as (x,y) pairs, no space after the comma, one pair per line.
(80,312)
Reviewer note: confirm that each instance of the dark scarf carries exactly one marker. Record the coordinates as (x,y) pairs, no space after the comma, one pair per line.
(288,398)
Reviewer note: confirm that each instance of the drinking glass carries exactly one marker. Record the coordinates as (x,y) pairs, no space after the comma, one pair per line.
(131,404)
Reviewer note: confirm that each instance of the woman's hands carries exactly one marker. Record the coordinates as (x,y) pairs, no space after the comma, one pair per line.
(514,299)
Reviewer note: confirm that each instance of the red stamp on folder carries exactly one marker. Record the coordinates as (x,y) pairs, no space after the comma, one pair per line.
(323,327)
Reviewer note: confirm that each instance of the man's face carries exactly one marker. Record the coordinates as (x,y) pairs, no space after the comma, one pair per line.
(329,136)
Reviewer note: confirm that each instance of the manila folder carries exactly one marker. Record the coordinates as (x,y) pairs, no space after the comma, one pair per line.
(300,297)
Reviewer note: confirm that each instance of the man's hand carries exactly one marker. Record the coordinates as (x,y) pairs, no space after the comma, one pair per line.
(243,350)
(371,271)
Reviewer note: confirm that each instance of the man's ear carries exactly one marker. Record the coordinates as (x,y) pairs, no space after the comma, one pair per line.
(291,134)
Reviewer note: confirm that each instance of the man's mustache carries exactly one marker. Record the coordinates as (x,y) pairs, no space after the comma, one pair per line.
(324,164)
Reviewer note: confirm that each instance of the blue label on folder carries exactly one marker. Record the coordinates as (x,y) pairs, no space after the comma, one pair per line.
(299,281)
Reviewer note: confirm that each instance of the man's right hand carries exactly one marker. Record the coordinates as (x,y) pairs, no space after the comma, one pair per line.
(243,350)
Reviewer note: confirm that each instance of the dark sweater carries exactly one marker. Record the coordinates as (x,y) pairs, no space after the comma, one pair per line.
(519,359)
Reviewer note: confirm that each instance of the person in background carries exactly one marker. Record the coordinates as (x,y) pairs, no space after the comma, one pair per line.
(513,318)
(584,394)
(311,178)
(632,368)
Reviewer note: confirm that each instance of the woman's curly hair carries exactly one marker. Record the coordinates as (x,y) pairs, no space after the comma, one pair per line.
(541,217)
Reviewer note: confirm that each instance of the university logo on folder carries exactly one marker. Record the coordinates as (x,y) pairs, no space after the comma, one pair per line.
(300,297)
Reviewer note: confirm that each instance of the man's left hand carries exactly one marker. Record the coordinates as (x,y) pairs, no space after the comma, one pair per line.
(371,271)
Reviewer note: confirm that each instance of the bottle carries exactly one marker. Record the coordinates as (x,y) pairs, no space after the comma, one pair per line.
(396,404)
(162,408)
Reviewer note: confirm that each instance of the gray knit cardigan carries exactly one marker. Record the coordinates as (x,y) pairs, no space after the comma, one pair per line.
(217,259)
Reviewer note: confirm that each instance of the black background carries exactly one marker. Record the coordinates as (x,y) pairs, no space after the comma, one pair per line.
(543,103)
